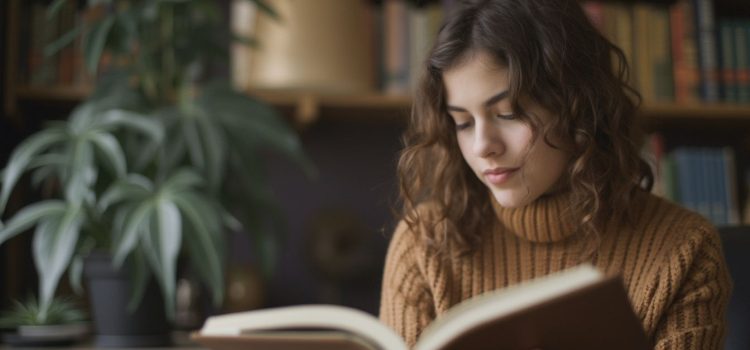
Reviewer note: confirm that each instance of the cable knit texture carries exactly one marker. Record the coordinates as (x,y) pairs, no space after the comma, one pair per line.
(671,262)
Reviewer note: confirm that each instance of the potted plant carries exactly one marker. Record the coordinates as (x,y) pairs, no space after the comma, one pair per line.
(155,162)
(63,323)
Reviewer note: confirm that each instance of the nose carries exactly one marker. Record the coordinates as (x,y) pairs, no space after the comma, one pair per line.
(487,140)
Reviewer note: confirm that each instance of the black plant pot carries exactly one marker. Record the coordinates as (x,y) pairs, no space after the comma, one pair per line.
(109,294)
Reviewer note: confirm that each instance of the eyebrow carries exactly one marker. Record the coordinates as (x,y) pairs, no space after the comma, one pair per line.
(490,101)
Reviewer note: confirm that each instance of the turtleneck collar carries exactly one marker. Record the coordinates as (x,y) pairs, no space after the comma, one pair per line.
(547,219)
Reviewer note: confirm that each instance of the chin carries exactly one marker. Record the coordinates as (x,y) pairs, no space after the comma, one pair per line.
(510,199)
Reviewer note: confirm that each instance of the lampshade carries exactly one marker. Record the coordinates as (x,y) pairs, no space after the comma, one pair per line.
(322,45)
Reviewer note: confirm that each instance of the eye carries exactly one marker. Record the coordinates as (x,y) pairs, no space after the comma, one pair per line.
(510,116)
(463,126)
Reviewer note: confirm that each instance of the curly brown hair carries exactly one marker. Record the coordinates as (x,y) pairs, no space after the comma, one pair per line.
(555,57)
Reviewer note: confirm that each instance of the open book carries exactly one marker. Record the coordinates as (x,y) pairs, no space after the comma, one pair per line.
(578,308)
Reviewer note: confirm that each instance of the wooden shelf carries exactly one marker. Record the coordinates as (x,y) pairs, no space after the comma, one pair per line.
(703,112)
(73,94)
(307,107)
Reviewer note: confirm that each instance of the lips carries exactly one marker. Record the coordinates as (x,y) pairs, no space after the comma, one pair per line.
(498,176)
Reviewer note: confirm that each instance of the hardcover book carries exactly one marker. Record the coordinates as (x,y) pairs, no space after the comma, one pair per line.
(579,308)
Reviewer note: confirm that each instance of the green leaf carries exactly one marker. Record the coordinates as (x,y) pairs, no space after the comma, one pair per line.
(54,244)
(139,278)
(174,152)
(170,239)
(203,242)
(215,148)
(246,121)
(22,156)
(132,120)
(195,151)
(136,221)
(46,166)
(82,118)
(54,8)
(29,215)
(134,187)
(61,42)
(81,173)
(181,180)
(112,152)
(94,45)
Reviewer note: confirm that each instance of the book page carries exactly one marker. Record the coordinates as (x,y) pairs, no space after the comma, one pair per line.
(301,317)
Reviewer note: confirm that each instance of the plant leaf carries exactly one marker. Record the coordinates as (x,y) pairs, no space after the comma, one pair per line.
(215,148)
(181,180)
(23,155)
(54,8)
(85,246)
(111,150)
(132,120)
(203,242)
(81,173)
(97,39)
(54,244)
(29,215)
(195,151)
(135,187)
(136,221)
(62,42)
(139,278)
(170,239)
(249,122)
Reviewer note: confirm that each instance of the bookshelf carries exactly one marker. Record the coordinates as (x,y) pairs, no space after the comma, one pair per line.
(306,106)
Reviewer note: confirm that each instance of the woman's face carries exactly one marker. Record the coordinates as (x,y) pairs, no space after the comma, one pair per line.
(498,146)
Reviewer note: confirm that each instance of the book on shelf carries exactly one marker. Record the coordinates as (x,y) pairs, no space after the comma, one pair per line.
(579,308)
(702,179)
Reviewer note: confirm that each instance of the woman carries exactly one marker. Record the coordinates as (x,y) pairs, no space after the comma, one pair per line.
(522,159)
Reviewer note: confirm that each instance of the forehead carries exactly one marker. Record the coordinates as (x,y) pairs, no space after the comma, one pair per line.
(473,79)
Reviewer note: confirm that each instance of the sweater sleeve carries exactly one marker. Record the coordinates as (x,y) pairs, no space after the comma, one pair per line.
(696,317)
(406,303)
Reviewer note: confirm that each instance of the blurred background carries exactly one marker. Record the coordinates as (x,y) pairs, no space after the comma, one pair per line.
(338,75)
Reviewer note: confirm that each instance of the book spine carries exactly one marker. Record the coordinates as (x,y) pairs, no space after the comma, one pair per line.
(731,186)
(684,53)
(396,47)
(656,160)
(685,179)
(671,178)
(642,65)
(419,35)
(726,61)
(660,56)
(701,175)
(719,188)
(742,59)
(622,15)
(707,52)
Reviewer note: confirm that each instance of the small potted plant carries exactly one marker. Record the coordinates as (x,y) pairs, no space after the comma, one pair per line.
(159,162)
(62,323)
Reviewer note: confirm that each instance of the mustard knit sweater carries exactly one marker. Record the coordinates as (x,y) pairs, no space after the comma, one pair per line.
(671,262)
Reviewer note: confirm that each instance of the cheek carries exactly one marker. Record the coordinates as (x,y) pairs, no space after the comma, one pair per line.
(464,145)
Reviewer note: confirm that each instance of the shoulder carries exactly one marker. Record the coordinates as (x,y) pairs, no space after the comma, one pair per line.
(682,234)
(670,219)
